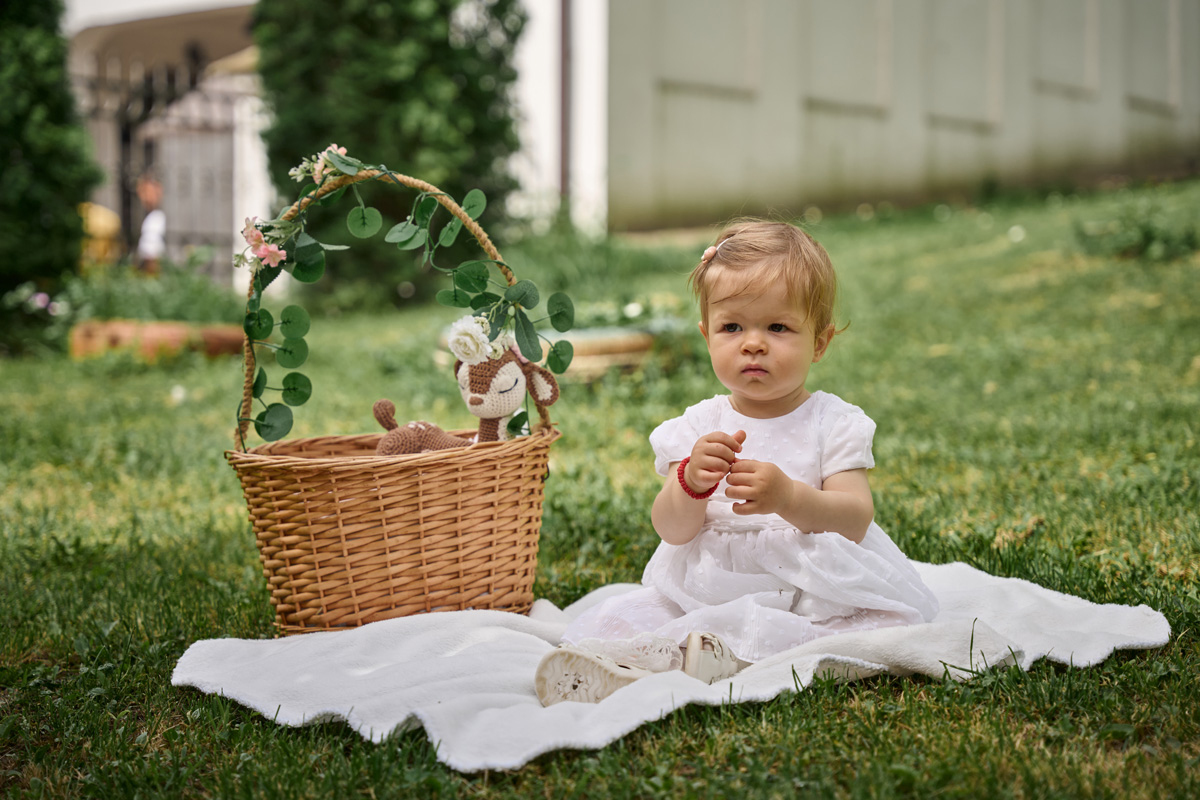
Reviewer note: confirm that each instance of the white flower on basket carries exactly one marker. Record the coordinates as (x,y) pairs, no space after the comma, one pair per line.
(501,343)
(242,260)
(315,167)
(469,340)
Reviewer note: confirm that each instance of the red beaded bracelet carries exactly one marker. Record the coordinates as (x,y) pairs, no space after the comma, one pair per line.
(688,489)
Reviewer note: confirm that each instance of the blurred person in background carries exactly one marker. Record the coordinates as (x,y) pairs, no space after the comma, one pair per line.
(152,242)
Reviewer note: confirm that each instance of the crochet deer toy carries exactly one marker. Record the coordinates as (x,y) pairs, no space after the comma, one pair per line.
(492,389)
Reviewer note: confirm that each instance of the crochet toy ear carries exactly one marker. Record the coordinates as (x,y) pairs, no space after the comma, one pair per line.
(541,383)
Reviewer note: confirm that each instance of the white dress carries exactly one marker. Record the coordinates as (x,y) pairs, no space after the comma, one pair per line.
(756,581)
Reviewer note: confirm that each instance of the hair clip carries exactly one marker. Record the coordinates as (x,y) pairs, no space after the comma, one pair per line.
(713,251)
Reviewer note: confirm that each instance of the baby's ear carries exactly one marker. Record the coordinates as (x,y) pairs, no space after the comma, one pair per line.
(541,384)
(822,342)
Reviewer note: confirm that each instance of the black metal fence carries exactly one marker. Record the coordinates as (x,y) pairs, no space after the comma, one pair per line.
(186,132)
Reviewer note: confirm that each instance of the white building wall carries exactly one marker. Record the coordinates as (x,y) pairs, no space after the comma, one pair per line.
(535,166)
(253,194)
(721,107)
(538,95)
(589,131)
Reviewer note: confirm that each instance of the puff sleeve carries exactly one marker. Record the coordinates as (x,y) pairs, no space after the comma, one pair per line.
(847,443)
(674,439)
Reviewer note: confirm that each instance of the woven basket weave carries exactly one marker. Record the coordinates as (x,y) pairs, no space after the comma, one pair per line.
(346,537)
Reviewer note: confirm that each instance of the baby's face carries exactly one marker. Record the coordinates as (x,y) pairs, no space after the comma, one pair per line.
(762,346)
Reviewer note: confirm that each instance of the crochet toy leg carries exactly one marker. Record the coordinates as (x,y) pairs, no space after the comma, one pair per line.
(417,437)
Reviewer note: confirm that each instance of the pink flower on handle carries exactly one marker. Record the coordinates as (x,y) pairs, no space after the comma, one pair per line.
(321,165)
(270,254)
(252,235)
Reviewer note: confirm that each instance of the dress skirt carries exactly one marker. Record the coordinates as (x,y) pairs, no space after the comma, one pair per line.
(764,589)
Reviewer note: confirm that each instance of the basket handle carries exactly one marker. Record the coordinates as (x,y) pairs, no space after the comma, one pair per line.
(330,186)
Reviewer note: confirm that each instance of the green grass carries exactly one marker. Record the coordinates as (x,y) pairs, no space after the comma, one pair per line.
(1037,413)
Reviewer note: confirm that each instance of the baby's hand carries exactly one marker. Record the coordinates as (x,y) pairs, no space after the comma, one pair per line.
(712,456)
(764,487)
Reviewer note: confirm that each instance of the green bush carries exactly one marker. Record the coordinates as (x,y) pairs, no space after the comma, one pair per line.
(421,86)
(1143,230)
(565,259)
(179,293)
(42,321)
(44,151)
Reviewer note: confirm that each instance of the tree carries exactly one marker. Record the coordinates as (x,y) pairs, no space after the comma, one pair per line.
(422,86)
(46,167)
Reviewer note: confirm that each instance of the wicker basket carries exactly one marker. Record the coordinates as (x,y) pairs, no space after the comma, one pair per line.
(346,537)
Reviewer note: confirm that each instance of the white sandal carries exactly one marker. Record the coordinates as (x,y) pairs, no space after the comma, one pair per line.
(568,673)
(708,659)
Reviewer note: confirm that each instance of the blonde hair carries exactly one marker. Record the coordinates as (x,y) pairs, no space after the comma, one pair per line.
(751,251)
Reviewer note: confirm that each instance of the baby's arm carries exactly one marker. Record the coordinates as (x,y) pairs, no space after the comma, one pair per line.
(842,504)
(677,517)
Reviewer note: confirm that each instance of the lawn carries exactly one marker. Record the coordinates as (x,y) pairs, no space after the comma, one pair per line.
(1037,395)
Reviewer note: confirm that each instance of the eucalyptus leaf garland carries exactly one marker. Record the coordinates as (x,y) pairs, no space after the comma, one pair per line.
(283,244)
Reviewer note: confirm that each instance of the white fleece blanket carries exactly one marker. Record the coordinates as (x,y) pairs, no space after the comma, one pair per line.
(467,676)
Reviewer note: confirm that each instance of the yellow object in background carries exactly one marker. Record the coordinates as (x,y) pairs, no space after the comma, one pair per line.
(101,235)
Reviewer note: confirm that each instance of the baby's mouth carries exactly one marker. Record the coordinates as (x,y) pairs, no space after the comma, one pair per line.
(754,369)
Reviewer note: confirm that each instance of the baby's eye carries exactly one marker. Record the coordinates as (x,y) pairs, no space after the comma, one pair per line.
(777,327)
(731,327)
